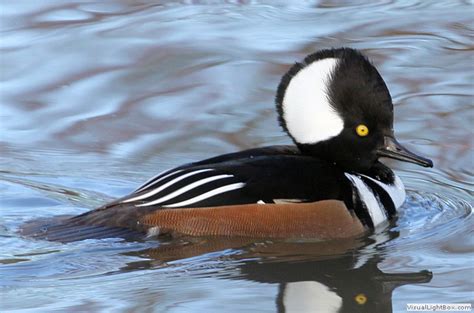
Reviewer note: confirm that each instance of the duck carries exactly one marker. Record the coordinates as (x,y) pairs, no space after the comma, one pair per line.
(329,184)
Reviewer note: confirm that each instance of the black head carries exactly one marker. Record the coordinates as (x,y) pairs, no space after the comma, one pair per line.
(336,106)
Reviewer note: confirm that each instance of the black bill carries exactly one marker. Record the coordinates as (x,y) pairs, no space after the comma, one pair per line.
(392,149)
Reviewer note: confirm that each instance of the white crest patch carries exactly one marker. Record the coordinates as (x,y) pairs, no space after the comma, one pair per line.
(307,111)
(310,297)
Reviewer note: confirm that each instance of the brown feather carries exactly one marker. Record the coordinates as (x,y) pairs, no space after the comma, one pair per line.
(327,219)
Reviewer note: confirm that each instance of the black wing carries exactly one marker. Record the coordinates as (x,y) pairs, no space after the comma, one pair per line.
(260,175)
(241,155)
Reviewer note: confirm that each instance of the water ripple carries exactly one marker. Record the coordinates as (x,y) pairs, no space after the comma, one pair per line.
(98,95)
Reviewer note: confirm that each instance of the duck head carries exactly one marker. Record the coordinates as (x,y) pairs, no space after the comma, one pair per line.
(336,106)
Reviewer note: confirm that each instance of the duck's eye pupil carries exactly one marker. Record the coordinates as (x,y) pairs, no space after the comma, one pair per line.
(362,130)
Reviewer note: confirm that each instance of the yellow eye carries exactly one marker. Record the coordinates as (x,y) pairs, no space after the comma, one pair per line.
(360,299)
(362,130)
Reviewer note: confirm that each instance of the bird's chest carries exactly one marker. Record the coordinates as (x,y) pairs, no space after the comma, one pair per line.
(376,201)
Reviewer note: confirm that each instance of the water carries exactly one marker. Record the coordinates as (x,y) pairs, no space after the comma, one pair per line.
(96,97)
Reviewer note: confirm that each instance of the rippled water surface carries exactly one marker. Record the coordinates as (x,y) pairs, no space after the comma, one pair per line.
(96,97)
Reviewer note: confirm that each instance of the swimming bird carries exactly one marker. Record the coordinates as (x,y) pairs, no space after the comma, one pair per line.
(330,183)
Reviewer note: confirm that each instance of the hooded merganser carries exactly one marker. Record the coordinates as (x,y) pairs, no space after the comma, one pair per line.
(339,113)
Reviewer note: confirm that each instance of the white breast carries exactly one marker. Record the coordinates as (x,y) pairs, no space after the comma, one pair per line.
(374,206)
(396,191)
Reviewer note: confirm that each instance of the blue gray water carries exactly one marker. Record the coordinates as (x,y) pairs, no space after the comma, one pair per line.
(97,96)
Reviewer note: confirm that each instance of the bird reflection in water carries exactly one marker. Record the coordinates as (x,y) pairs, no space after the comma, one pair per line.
(331,276)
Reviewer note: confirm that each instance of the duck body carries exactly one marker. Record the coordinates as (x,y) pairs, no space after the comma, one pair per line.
(272,192)
(330,184)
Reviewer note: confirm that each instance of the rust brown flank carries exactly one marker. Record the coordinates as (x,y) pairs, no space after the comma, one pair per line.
(327,219)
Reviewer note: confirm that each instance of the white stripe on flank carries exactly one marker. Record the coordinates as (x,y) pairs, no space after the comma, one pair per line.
(150,182)
(206,195)
(396,191)
(171,182)
(375,208)
(184,189)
